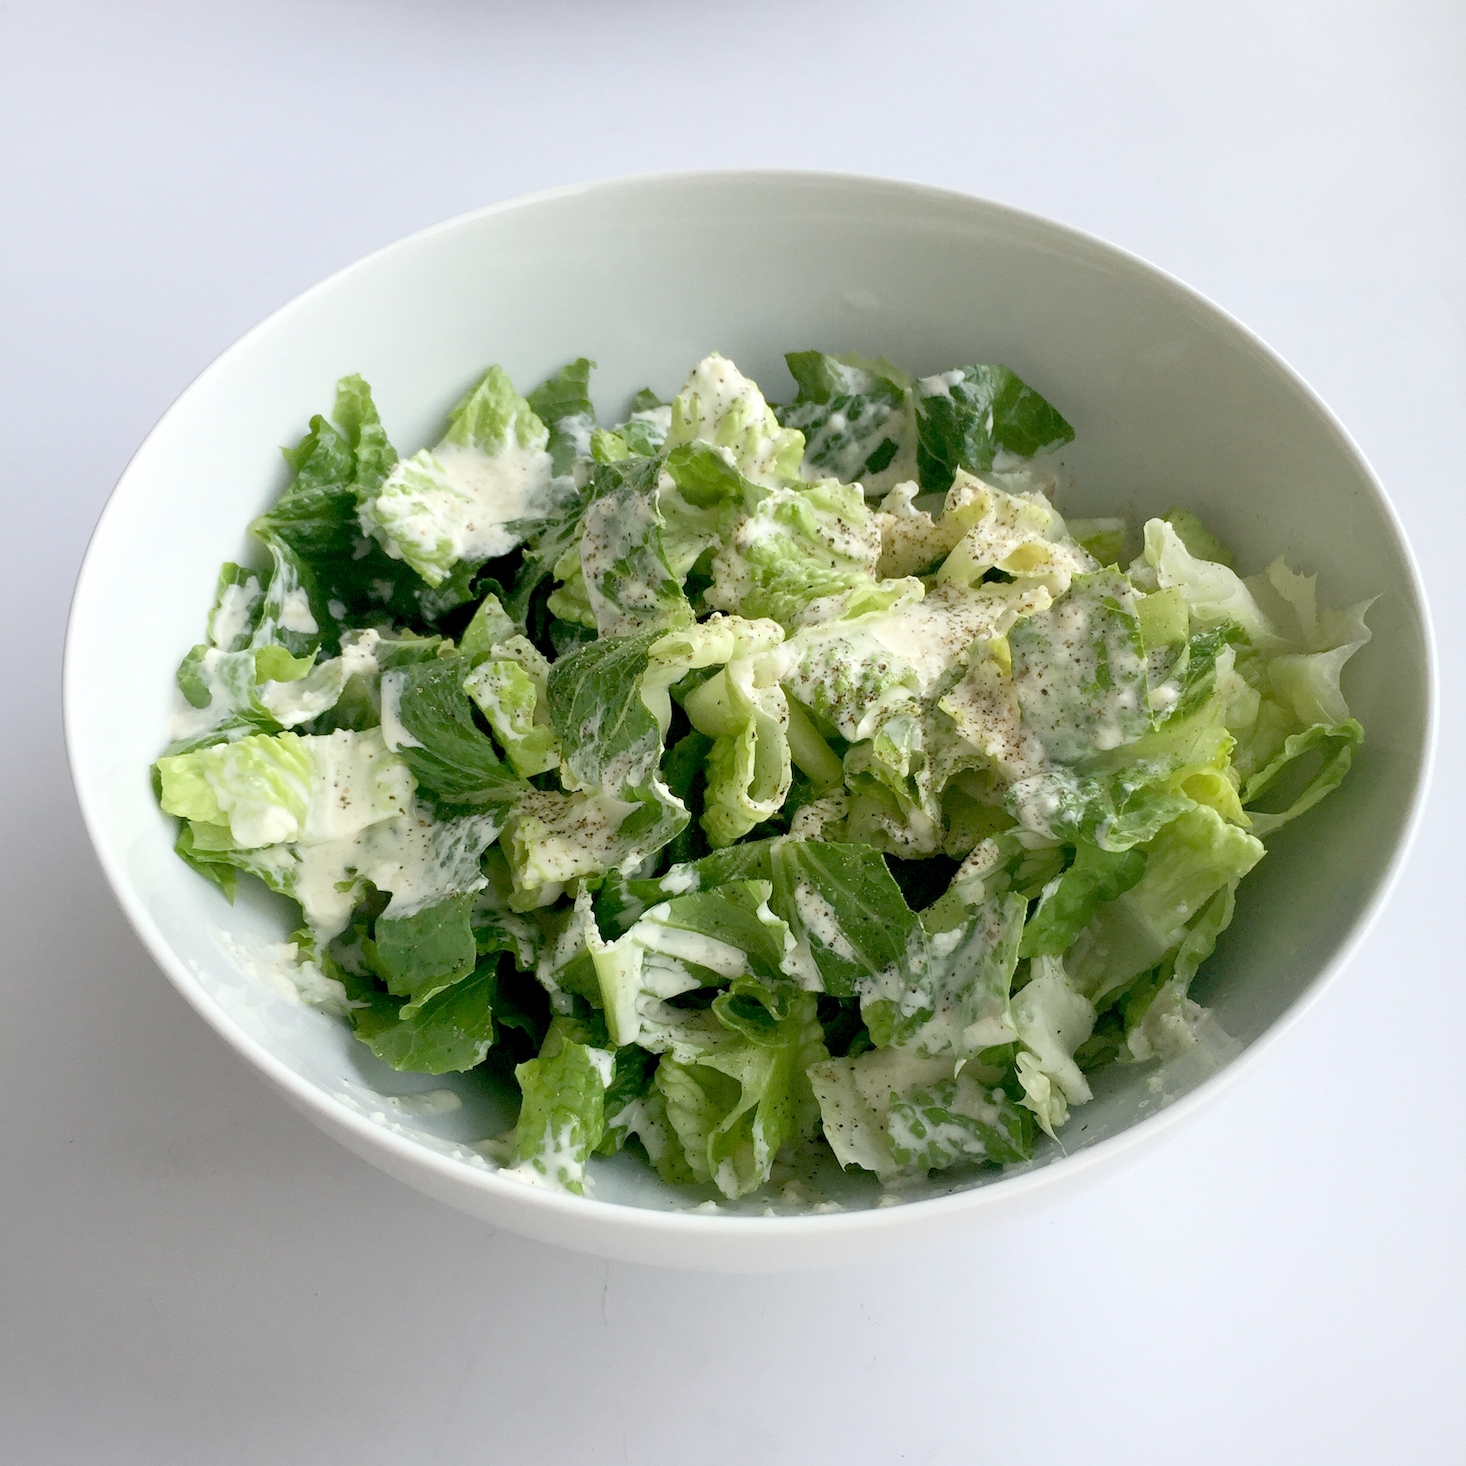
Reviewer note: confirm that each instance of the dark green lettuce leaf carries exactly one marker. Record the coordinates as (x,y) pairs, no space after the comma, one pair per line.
(562,402)
(449,1033)
(421,954)
(456,761)
(856,416)
(1069,903)
(609,738)
(966,417)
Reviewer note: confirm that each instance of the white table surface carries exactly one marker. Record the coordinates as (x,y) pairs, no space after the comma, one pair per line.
(190,1273)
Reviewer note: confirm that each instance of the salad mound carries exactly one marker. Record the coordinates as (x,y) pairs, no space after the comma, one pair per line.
(739,777)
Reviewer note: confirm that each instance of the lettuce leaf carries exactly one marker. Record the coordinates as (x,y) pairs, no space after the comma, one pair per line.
(629,585)
(856,416)
(1334,743)
(476,495)
(448,1033)
(956,998)
(803,554)
(288,788)
(954,1120)
(1079,670)
(719,405)
(1193,857)
(1070,901)
(437,738)
(509,685)
(744,1097)
(562,1118)
(969,416)
(562,402)
(856,1094)
(1052,1018)
(420,955)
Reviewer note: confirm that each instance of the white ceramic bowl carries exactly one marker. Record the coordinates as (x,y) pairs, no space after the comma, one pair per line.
(1172,402)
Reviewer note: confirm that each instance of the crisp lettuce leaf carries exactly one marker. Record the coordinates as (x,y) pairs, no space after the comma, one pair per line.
(956,998)
(552,547)
(1198,539)
(552,838)
(489,626)
(562,402)
(719,405)
(1308,682)
(954,1120)
(748,765)
(911,540)
(852,927)
(1052,1018)
(1018,533)
(1192,858)
(1070,901)
(509,689)
(745,1096)
(850,924)
(430,719)
(855,1096)
(856,417)
(355,583)
(610,739)
(1213,592)
(1163,1022)
(701,939)
(629,585)
(288,788)
(1103,540)
(476,495)
(802,554)
(418,860)
(970,416)
(1079,669)
(448,1033)
(317,515)
(420,955)
(1335,745)
(562,1118)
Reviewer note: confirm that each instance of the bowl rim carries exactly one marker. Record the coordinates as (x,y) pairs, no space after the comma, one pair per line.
(583,1214)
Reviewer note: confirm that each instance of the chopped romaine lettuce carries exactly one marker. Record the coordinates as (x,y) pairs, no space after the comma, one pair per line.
(662,812)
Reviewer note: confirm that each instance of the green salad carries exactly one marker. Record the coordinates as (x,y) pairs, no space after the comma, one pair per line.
(740,778)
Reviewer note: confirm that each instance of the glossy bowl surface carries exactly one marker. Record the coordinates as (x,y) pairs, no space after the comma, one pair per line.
(1173,403)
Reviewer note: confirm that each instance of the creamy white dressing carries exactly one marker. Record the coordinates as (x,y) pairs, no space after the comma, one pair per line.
(819,920)
(428,1102)
(658,418)
(1052,1020)
(356,781)
(552,838)
(578,427)
(298,701)
(689,946)
(930,636)
(941,384)
(503,487)
(556,1162)
(680,880)
(418,860)
(295,613)
(393,733)
(233,618)
(458,502)
(820,819)
(280,967)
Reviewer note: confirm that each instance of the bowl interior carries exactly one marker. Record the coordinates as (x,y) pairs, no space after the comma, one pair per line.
(1172,404)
